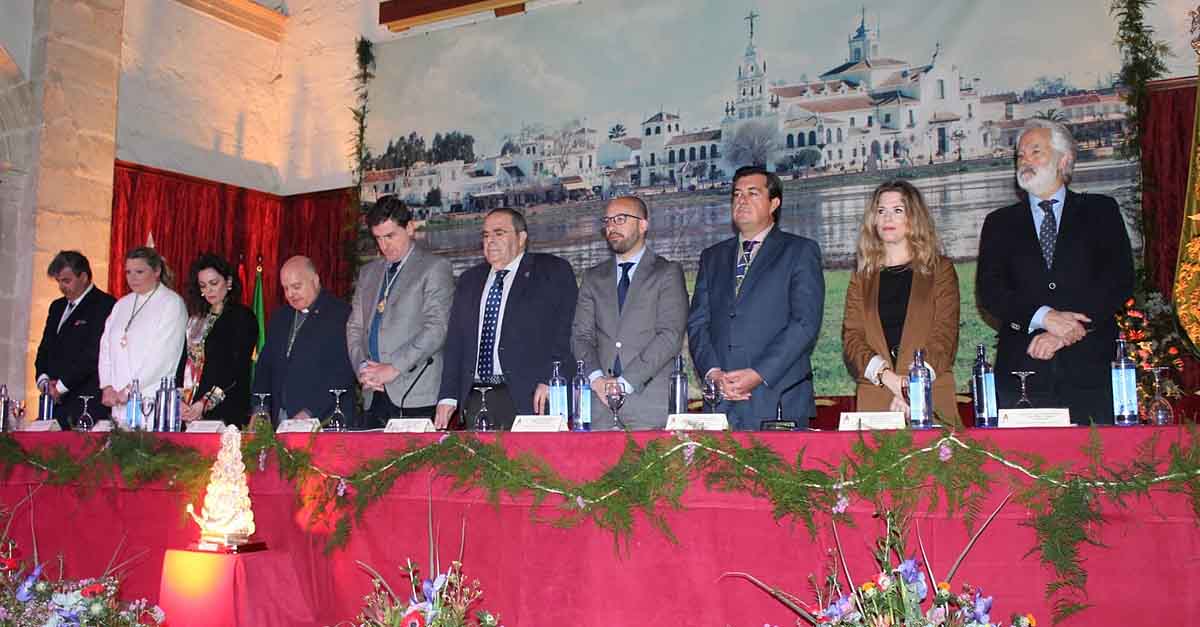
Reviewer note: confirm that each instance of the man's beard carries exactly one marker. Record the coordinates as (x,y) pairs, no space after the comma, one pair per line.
(623,245)
(1043,177)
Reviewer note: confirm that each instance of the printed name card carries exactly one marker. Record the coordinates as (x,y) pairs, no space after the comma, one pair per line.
(409,425)
(43,425)
(205,426)
(697,422)
(1034,417)
(299,425)
(528,423)
(102,426)
(871,420)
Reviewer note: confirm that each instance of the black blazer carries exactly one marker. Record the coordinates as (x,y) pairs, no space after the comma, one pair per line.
(536,329)
(228,350)
(771,325)
(319,362)
(73,354)
(1092,274)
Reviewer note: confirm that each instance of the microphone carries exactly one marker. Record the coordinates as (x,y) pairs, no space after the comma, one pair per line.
(428,362)
(780,423)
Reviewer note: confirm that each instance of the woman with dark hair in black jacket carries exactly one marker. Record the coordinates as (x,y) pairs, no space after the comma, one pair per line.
(214,370)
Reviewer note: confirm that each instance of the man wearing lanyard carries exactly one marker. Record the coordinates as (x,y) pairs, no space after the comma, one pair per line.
(397,326)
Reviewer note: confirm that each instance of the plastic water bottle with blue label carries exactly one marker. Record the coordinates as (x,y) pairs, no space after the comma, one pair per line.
(581,400)
(1124,387)
(558,393)
(983,389)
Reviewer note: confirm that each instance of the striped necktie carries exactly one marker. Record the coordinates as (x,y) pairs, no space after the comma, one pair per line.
(743,265)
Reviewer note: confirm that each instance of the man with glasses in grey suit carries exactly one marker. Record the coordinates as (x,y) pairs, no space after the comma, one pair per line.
(630,319)
(401,310)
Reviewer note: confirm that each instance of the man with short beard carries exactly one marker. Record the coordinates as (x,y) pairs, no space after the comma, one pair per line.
(629,319)
(1053,271)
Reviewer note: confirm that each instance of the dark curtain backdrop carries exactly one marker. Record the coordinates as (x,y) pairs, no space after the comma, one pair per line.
(1166,159)
(188,215)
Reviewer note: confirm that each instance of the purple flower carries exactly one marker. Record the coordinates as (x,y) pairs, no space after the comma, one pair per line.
(911,574)
(837,609)
(945,452)
(689,450)
(25,590)
(841,505)
(580,502)
(979,611)
(262,460)
(341,487)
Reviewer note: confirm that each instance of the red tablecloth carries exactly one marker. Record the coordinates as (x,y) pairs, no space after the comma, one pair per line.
(534,574)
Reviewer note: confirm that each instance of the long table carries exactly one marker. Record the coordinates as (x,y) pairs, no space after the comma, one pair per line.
(534,574)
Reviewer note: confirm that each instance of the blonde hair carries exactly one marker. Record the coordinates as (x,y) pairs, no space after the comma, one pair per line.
(922,235)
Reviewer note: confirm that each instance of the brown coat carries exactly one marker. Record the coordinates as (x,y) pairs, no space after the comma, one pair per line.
(931,322)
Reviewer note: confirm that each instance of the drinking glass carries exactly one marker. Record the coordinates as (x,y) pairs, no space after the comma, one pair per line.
(337,420)
(85,422)
(1158,411)
(147,412)
(483,420)
(615,394)
(261,412)
(1024,401)
(711,393)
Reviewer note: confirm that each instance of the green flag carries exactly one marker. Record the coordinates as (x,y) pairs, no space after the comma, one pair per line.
(258,311)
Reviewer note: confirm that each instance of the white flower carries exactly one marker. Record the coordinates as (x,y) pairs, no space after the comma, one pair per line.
(96,608)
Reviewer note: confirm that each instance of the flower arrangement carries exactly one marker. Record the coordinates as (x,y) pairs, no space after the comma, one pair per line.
(444,601)
(27,599)
(899,595)
(1153,340)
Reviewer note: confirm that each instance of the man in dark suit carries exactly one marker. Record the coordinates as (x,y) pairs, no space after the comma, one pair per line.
(401,308)
(69,352)
(511,319)
(757,308)
(305,353)
(1053,271)
(630,318)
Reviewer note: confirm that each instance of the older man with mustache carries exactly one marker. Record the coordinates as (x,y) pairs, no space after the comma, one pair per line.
(1053,270)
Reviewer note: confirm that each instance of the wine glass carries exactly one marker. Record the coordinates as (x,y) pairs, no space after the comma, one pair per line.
(85,422)
(1024,401)
(337,420)
(1158,411)
(147,407)
(711,393)
(261,412)
(615,394)
(483,419)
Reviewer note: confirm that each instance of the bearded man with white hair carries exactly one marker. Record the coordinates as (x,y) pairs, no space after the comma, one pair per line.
(1053,271)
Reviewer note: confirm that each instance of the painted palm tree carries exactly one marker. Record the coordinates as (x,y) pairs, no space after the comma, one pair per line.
(1051,114)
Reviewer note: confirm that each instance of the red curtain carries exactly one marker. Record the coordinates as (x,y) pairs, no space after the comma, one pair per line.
(188,215)
(1166,160)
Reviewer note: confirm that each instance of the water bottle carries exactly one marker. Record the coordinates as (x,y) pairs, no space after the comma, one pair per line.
(920,411)
(45,402)
(1124,387)
(581,400)
(133,407)
(5,407)
(983,389)
(173,419)
(160,406)
(677,396)
(558,393)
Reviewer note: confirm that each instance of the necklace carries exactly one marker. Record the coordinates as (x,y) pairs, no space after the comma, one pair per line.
(387,288)
(136,310)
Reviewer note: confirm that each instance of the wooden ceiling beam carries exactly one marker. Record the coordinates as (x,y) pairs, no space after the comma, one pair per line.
(400,15)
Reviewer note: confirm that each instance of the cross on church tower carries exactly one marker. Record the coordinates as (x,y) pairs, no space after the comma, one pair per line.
(750,18)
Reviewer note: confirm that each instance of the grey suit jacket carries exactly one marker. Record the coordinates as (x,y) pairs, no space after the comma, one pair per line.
(413,329)
(647,334)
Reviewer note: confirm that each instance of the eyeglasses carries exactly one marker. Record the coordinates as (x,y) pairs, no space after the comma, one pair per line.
(618,220)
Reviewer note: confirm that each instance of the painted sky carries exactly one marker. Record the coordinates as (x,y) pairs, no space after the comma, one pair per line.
(619,61)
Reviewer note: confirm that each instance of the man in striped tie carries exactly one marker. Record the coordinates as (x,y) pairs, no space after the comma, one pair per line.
(510,320)
(756,310)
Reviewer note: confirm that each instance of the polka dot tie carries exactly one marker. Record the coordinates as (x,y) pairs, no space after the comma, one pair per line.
(743,265)
(487,337)
(1049,230)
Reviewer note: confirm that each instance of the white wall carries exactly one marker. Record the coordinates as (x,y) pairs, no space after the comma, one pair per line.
(199,97)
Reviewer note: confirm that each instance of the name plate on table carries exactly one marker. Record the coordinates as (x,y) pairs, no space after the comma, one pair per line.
(545,424)
(1034,417)
(697,422)
(299,425)
(409,425)
(871,420)
(205,426)
(42,425)
(102,426)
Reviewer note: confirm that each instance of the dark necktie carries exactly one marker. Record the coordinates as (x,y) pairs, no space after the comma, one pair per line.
(66,314)
(377,318)
(487,336)
(1049,231)
(622,292)
(743,265)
